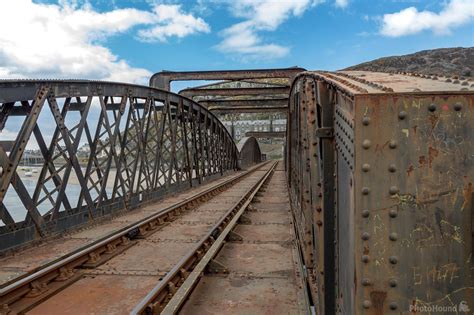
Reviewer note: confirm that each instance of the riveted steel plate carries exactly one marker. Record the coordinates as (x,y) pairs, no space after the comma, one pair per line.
(414,176)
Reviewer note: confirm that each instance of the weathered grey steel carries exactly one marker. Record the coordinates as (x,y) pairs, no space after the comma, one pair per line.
(247,105)
(248,109)
(191,92)
(266,134)
(249,152)
(162,79)
(381,173)
(143,142)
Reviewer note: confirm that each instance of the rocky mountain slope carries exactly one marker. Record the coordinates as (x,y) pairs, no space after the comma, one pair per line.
(457,61)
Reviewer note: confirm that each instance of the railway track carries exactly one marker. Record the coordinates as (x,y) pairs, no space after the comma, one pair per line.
(113,274)
(257,270)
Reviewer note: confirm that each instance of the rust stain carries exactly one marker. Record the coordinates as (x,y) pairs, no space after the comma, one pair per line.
(433,120)
(422,160)
(432,154)
(467,194)
(410,170)
(378,298)
(414,307)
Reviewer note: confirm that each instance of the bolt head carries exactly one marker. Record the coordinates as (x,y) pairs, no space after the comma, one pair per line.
(392,144)
(365,190)
(366,121)
(393,306)
(393,213)
(457,107)
(366,304)
(393,260)
(432,107)
(393,283)
(402,115)
(366,144)
(365,167)
(365,213)
(393,236)
(393,190)
(365,282)
(365,236)
(392,168)
(365,258)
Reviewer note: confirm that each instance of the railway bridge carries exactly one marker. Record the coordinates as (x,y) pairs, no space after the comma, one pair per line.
(138,200)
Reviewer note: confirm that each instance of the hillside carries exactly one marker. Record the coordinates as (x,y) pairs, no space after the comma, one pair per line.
(444,61)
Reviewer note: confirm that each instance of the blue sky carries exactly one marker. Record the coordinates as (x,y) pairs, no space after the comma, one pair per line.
(130,39)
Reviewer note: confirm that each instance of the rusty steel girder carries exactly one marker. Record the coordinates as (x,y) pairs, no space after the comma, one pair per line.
(246,105)
(142,144)
(381,170)
(192,92)
(163,79)
(248,109)
(266,134)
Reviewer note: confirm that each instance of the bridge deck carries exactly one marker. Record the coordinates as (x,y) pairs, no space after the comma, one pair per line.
(261,275)
(261,270)
(28,260)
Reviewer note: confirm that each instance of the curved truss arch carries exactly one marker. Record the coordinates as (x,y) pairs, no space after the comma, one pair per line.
(113,147)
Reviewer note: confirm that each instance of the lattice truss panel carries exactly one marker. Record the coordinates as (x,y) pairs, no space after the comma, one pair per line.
(73,151)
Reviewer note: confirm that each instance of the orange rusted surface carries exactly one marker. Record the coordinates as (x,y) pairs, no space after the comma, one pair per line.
(119,284)
(28,260)
(380,171)
(262,272)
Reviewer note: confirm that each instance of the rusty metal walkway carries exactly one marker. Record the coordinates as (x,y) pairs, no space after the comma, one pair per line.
(258,271)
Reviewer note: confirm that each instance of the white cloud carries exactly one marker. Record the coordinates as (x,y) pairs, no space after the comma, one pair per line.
(244,38)
(64,40)
(411,21)
(8,135)
(342,3)
(171,21)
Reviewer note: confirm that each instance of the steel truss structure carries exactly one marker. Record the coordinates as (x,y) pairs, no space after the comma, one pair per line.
(163,79)
(270,86)
(142,143)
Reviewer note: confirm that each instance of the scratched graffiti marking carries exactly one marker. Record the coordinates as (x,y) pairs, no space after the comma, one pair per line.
(435,275)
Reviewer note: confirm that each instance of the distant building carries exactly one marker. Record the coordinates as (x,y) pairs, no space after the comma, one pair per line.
(240,127)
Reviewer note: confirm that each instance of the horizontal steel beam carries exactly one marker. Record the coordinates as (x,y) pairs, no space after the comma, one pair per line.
(248,109)
(247,102)
(266,134)
(162,79)
(191,92)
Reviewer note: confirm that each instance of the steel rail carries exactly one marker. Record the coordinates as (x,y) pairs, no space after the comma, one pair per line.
(58,272)
(177,301)
(192,265)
